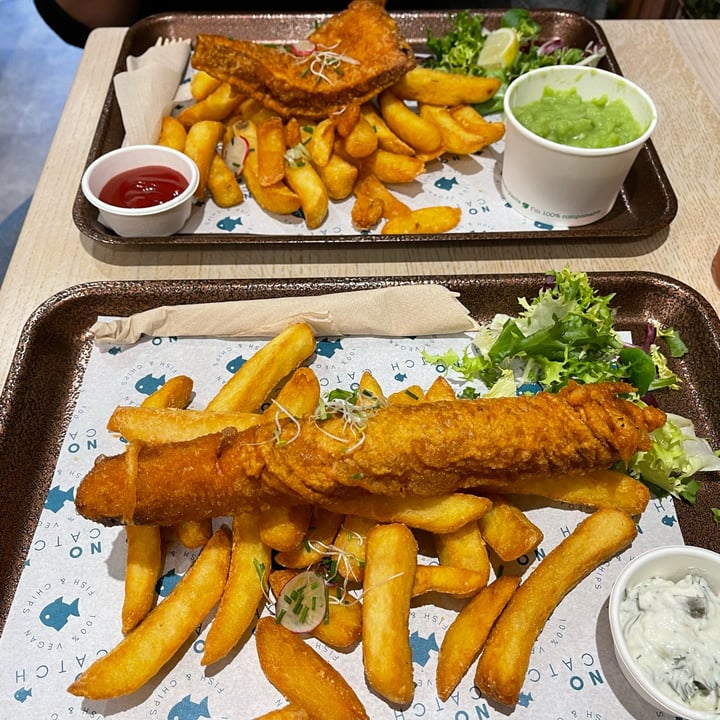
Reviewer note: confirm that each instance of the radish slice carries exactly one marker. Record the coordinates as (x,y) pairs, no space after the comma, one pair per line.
(303,48)
(235,152)
(302,603)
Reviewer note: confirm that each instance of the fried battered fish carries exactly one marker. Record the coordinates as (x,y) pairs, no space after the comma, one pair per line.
(357,53)
(423,449)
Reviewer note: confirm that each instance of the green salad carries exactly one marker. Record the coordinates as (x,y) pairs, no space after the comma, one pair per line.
(567,332)
(460,50)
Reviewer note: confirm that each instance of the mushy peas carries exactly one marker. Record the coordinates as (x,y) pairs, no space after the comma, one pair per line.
(562,116)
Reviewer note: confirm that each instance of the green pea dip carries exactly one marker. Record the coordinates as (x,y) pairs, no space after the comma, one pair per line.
(562,116)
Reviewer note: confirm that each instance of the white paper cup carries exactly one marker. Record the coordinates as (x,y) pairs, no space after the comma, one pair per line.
(558,184)
(154,221)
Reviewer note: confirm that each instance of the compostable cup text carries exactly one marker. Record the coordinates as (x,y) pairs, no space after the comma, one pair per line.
(561,185)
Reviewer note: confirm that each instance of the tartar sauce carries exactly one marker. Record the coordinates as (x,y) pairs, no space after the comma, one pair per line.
(672,630)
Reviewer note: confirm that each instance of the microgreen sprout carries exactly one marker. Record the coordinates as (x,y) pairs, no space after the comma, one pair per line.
(319,60)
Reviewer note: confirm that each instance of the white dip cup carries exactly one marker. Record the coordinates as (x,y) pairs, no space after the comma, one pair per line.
(154,221)
(558,184)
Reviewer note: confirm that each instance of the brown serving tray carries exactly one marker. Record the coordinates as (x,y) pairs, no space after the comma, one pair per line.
(646,203)
(47,371)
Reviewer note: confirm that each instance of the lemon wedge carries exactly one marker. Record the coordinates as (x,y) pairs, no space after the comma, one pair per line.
(500,49)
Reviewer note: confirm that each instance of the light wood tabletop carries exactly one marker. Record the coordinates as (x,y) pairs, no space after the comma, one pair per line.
(676,61)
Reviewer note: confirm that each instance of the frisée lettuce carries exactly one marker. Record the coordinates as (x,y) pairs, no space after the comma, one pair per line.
(567,333)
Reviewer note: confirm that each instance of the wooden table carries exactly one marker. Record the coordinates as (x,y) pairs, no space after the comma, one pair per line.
(676,61)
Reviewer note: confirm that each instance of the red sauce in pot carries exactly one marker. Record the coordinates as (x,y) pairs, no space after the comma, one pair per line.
(143,187)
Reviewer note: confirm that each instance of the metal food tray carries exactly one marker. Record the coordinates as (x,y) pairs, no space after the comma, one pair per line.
(43,384)
(646,203)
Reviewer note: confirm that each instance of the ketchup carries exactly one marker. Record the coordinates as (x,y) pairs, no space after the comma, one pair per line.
(143,187)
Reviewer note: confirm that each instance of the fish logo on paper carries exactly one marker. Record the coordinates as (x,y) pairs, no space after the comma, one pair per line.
(22,694)
(422,647)
(148,385)
(445,183)
(228,224)
(186,709)
(57,498)
(57,613)
(327,348)
(235,364)
(167,582)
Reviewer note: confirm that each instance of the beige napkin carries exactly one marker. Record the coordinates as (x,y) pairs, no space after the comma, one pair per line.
(396,311)
(147,89)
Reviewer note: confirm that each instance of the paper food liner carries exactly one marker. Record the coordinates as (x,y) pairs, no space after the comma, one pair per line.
(390,311)
(67,607)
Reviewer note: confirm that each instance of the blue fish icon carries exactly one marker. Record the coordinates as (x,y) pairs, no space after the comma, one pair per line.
(542,226)
(669,520)
(421,647)
(235,364)
(57,498)
(115,350)
(228,224)
(23,694)
(444,183)
(186,709)
(401,377)
(148,385)
(525,699)
(56,614)
(167,582)
(327,348)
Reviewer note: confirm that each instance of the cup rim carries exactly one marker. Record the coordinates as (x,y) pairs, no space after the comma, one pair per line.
(510,117)
(107,208)
(660,699)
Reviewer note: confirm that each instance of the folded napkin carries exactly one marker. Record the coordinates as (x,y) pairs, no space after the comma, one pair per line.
(396,311)
(147,90)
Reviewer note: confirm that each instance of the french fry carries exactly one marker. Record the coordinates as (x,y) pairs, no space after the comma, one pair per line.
(464,548)
(369,390)
(339,176)
(351,540)
(294,668)
(217,105)
(279,198)
(322,142)
(503,664)
(304,180)
(372,187)
(193,533)
(287,712)
(428,220)
(408,396)
(439,514)
(456,138)
(466,635)
(223,185)
(346,120)
(161,425)
(366,212)
(200,146)
(244,589)
(393,168)
(142,653)
(283,528)
(322,531)
(458,582)
(202,84)
(144,543)
(271,151)
(172,133)
(417,132)
(361,141)
(391,558)
(440,389)
(294,133)
(597,489)
(508,531)
(438,87)
(473,121)
(254,381)
(142,570)
(387,139)
(299,396)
